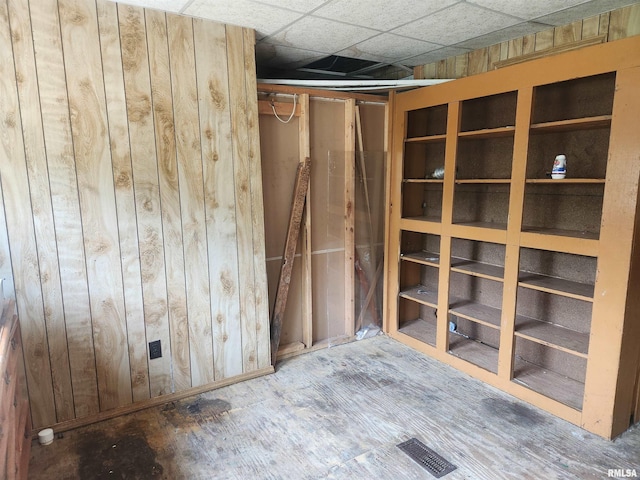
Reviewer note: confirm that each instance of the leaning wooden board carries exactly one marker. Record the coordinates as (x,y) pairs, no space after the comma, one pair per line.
(15,421)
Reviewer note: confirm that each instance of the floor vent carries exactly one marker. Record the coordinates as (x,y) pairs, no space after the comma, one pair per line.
(426,458)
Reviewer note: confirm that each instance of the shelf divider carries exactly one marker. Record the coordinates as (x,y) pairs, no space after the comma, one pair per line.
(566,180)
(427,139)
(477,269)
(600,121)
(558,286)
(421,294)
(476,312)
(487,133)
(431,259)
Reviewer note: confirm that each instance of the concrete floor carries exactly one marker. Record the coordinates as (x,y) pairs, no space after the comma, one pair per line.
(338,414)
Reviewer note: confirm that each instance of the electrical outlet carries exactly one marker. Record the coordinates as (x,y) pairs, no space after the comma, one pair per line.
(155,349)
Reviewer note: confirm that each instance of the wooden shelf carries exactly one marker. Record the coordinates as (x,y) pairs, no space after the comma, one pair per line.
(431,259)
(421,294)
(483,181)
(474,352)
(565,241)
(601,121)
(422,180)
(477,269)
(551,335)
(558,286)
(476,312)
(427,139)
(550,384)
(487,133)
(565,181)
(427,225)
(431,219)
(557,232)
(489,225)
(420,329)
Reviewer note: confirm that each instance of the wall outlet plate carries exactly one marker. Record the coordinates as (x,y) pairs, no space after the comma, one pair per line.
(155,349)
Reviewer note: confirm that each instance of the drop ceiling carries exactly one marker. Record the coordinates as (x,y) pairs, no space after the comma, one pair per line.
(311,36)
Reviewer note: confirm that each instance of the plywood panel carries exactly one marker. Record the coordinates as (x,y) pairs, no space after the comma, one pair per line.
(242,170)
(66,207)
(591,27)
(185,106)
(97,203)
(544,39)
(15,186)
(147,190)
(567,34)
(624,22)
(257,212)
(215,127)
(124,197)
(478,61)
(42,210)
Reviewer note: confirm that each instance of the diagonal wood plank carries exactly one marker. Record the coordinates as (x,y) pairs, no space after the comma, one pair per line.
(297,207)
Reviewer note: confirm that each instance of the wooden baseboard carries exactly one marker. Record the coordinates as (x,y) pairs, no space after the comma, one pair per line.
(152,402)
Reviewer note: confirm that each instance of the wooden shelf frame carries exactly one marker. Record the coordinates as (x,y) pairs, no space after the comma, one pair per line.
(580,402)
(426,139)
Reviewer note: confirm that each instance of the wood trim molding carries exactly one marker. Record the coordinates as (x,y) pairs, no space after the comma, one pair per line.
(552,51)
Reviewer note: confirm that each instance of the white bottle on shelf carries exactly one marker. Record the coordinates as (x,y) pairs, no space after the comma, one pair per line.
(559,170)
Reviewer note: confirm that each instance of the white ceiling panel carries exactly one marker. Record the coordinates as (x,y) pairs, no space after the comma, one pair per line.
(387,47)
(527,9)
(303,6)
(380,14)
(456,24)
(321,35)
(265,19)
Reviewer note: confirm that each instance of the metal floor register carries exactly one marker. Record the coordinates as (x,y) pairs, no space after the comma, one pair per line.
(426,458)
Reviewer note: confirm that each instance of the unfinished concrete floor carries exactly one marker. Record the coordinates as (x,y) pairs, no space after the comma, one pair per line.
(338,413)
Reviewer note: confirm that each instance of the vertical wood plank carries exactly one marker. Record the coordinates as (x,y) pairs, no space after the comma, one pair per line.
(495,52)
(590,27)
(478,61)
(185,106)
(146,188)
(175,332)
(567,33)
(450,67)
(624,22)
(429,71)
(504,50)
(215,127)
(304,151)
(388,144)
(6,273)
(24,255)
(82,60)
(603,28)
(124,197)
(515,47)
(349,214)
(66,207)
(544,40)
(36,159)
(242,169)
(462,66)
(257,208)
(528,44)
(441,68)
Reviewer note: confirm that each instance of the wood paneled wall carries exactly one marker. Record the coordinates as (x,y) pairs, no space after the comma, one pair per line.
(132,194)
(615,25)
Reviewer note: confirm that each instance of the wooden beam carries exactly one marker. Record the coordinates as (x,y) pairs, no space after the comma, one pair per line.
(304,150)
(349,215)
(299,197)
(283,109)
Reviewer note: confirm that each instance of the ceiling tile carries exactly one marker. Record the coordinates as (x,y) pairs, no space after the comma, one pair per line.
(281,56)
(304,6)
(585,10)
(166,5)
(265,19)
(527,9)
(434,56)
(509,33)
(456,24)
(388,48)
(380,14)
(320,35)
